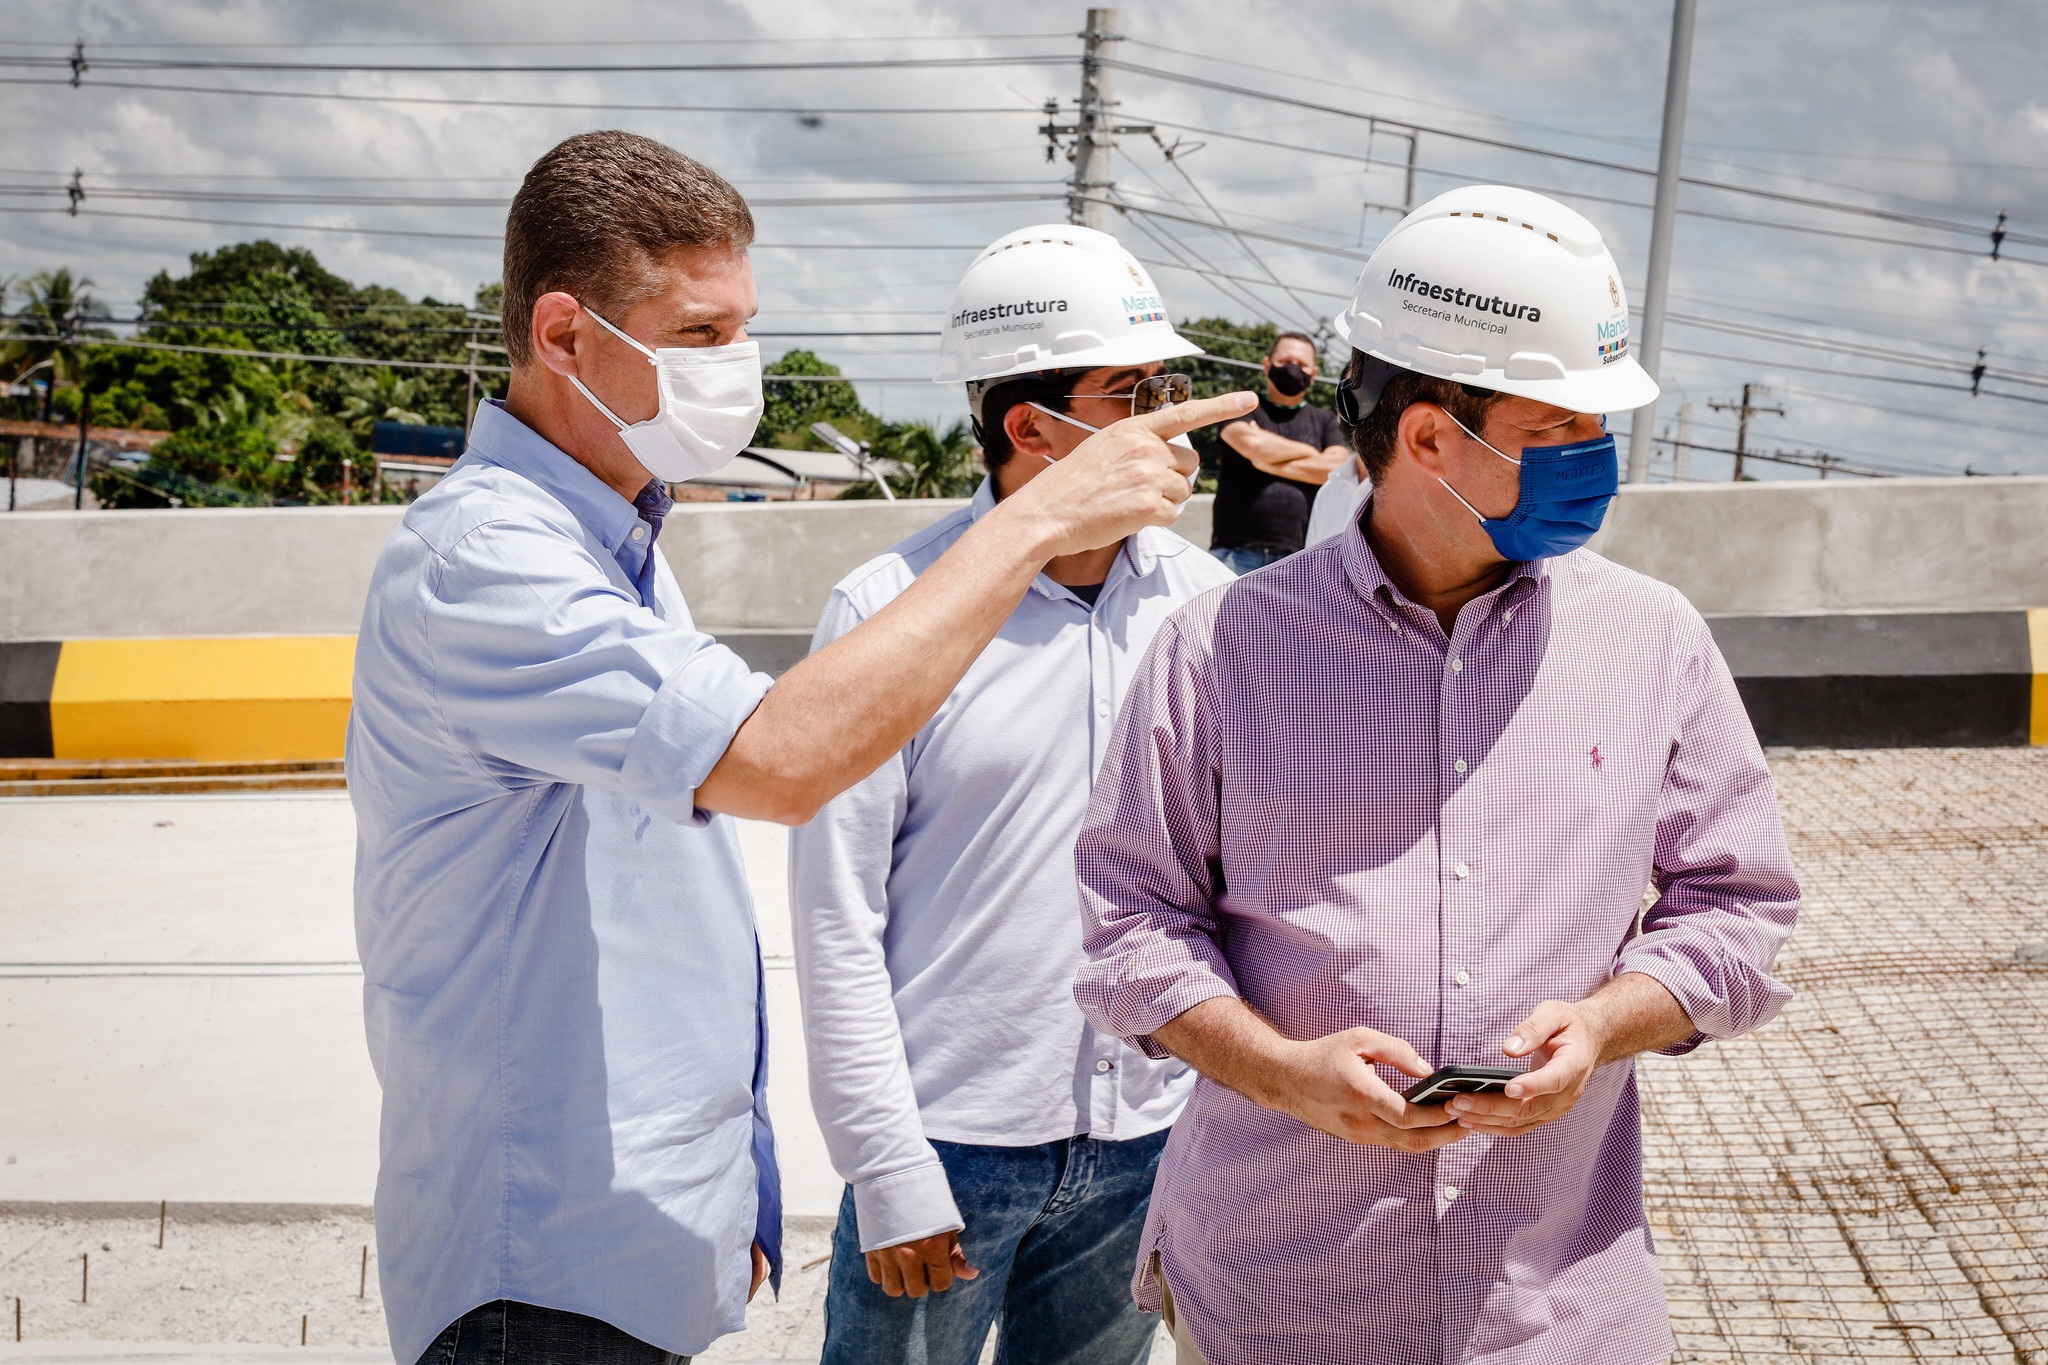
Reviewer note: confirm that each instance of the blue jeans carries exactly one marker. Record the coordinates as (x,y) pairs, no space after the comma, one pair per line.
(1242,562)
(507,1333)
(1054,1232)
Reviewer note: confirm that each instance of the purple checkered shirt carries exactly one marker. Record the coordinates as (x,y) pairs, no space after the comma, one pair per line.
(1317,802)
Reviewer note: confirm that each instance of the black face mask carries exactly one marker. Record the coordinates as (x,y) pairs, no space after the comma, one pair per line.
(1290,379)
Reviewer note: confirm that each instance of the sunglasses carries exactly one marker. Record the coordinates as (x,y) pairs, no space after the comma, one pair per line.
(1150,395)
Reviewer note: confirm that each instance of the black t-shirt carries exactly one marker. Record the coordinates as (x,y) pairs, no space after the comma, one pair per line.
(1260,511)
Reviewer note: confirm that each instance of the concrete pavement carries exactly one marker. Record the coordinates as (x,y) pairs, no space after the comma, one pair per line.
(180,1006)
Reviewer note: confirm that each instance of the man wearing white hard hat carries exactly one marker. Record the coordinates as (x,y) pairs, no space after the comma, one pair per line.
(998,1151)
(1391,807)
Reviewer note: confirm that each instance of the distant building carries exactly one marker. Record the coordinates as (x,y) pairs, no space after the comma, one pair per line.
(412,458)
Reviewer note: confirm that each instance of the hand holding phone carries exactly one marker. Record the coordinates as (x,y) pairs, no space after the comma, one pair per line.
(1447,1081)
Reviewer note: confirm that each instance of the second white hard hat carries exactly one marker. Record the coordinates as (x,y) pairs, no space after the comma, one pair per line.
(1501,289)
(1054,297)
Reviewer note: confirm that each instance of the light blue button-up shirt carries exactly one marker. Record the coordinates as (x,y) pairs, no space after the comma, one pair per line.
(562,979)
(938,925)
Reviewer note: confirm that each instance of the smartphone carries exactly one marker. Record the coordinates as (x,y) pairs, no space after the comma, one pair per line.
(1447,1081)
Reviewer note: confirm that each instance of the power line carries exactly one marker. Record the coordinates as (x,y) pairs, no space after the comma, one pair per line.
(466,43)
(457,366)
(796,111)
(1600,163)
(444,69)
(198,196)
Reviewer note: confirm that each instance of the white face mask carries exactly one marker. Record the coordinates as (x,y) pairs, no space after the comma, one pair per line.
(710,405)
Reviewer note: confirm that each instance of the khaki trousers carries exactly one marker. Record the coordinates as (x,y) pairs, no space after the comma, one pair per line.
(1185,1352)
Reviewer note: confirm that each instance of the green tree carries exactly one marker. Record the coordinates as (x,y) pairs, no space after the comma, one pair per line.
(791,408)
(379,395)
(256,427)
(932,463)
(57,309)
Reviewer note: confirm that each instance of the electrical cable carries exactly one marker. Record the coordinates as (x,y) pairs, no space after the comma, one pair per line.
(446,69)
(795,111)
(1921,220)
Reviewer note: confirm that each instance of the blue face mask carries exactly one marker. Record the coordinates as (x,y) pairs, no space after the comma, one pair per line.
(1565,492)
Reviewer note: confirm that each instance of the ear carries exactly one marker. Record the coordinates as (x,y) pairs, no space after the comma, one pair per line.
(1022,424)
(557,319)
(1422,436)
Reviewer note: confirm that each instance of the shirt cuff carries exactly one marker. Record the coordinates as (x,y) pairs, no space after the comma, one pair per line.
(687,728)
(904,1206)
(1714,1018)
(1136,1022)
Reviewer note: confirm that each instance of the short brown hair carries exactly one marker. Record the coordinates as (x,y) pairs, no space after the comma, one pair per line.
(1303,337)
(594,216)
(1372,440)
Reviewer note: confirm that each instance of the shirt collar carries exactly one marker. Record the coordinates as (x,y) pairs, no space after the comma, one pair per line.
(1141,552)
(1362,566)
(497,437)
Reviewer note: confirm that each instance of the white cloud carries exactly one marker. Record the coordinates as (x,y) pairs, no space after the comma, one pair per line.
(1840,100)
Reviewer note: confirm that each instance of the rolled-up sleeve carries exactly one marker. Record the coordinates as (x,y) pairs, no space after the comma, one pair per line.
(545,671)
(861,1089)
(1727,894)
(1148,853)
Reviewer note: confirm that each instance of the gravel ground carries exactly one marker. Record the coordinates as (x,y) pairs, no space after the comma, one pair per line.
(253,1275)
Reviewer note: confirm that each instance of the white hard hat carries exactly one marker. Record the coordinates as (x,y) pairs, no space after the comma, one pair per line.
(1054,297)
(1501,289)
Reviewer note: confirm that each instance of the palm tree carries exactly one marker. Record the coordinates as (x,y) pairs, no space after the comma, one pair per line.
(56,308)
(931,463)
(379,395)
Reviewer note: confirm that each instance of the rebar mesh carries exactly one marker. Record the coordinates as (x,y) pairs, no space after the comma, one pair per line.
(1867,1177)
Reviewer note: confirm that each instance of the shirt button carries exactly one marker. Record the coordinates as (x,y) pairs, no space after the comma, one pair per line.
(1462,871)
(639,533)
(1462,979)
(1508,615)
(1102,709)
(1105,1065)
(1457,665)
(1450,1193)
(1457,765)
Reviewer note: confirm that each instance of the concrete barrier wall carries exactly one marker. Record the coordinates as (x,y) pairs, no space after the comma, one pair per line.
(1851,613)
(1748,549)
(1839,545)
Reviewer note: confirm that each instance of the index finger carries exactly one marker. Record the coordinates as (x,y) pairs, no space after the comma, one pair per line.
(1181,418)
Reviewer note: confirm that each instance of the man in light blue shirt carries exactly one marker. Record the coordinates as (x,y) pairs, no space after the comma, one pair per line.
(562,984)
(983,1128)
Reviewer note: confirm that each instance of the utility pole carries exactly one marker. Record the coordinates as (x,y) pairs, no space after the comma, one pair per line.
(1681,455)
(1094,135)
(84,447)
(1650,345)
(1746,409)
(469,403)
(1087,202)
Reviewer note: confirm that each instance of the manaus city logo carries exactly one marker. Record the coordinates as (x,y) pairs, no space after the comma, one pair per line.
(1614,291)
(1136,278)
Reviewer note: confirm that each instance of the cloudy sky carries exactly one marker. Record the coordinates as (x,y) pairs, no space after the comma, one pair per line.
(1886,137)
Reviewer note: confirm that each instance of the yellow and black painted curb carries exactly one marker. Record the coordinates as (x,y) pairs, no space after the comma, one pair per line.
(1845,680)
(266,697)
(1892,680)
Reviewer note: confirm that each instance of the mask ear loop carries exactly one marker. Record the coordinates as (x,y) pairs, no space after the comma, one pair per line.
(1483,441)
(652,358)
(595,401)
(1070,421)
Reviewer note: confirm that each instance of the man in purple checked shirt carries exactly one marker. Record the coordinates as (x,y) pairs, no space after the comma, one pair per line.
(1393,804)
